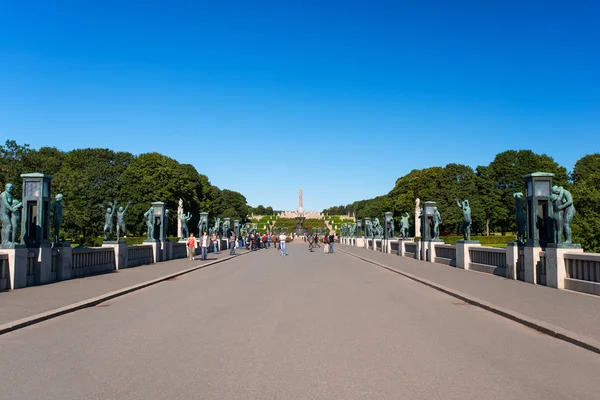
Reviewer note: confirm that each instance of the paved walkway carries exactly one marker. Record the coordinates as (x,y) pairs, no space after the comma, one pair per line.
(572,311)
(26,302)
(307,326)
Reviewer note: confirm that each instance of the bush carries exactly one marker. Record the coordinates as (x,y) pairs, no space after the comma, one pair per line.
(485,240)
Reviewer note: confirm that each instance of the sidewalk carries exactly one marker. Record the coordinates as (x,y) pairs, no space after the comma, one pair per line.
(562,312)
(27,302)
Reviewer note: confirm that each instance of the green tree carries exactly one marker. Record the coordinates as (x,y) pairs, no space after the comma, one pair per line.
(586,197)
(12,155)
(88,178)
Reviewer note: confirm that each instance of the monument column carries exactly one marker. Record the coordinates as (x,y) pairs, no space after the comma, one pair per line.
(300,202)
(418,217)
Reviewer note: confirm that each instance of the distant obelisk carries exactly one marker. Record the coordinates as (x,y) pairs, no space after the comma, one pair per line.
(300,203)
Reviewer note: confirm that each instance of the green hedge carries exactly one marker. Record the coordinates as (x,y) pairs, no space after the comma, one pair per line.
(485,240)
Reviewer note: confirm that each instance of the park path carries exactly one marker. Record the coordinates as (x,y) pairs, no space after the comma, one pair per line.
(306,326)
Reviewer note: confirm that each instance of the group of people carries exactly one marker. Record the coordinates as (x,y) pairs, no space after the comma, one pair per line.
(251,241)
(328,242)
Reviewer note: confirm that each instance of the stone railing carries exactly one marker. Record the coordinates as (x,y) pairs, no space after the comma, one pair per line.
(180,250)
(3,271)
(445,254)
(394,246)
(371,244)
(94,260)
(488,259)
(410,249)
(583,272)
(520,265)
(139,255)
(378,244)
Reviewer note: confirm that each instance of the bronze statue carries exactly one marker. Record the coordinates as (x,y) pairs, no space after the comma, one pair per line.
(57,209)
(149,215)
(108,218)
(564,210)
(390,228)
(9,212)
(437,221)
(184,218)
(404,224)
(467,220)
(121,220)
(520,216)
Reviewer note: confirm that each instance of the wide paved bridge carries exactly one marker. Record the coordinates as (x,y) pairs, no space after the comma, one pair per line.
(305,326)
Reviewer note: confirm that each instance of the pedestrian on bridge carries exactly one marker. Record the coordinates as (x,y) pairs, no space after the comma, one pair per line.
(326,244)
(331,241)
(191,246)
(232,244)
(204,246)
(282,239)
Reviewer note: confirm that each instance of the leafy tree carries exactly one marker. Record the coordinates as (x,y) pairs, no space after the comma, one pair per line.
(12,155)
(89,178)
(586,196)
(154,177)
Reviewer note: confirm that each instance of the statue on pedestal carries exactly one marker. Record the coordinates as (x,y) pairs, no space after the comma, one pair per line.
(520,216)
(149,215)
(343,232)
(564,210)
(377,229)
(437,221)
(226,227)
(390,228)
(404,225)
(467,220)
(10,215)
(183,221)
(121,220)
(108,218)
(57,209)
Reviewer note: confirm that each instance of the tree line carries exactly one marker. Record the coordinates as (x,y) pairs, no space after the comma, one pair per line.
(89,178)
(489,190)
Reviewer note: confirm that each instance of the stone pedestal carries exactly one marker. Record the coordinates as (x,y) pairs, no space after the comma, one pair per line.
(360,241)
(428,249)
(532,258)
(17,266)
(43,265)
(555,263)
(64,261)
(156,250)
(512,257)
(120,248)
(463,257)
(167,250)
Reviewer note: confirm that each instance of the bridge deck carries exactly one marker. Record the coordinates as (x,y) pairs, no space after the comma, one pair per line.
(306,326)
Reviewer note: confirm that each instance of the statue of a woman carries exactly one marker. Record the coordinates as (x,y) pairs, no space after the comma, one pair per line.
(466,224)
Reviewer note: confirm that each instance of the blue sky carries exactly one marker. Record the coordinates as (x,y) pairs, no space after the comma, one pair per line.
(337,97)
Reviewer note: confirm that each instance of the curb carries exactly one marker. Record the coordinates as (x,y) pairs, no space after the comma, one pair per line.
(530,322)
(94,301)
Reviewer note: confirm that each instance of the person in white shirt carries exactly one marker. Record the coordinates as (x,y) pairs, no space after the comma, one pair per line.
(282,239)
(204,245)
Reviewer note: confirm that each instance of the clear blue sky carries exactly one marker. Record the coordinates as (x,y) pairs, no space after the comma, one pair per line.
(358,93)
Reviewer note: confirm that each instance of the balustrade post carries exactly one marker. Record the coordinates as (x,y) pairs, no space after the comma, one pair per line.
(463,256)
(556,271)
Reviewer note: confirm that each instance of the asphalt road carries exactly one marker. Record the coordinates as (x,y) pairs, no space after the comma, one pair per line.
(306,326)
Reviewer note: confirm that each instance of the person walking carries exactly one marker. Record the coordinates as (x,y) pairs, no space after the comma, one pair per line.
(331,241)
(317,240)
(204,245)
(282,239)
(232,244)
(191,247)
(215,243)
(326,244)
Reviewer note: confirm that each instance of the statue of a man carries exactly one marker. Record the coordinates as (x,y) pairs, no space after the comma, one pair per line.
(466,224)
(108,218)
(564,210)
(184,218)
(520,216)
(390,228)
(149,215)
(437,221)
(57,209)
(404,225)
(121,220)
(9,212)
